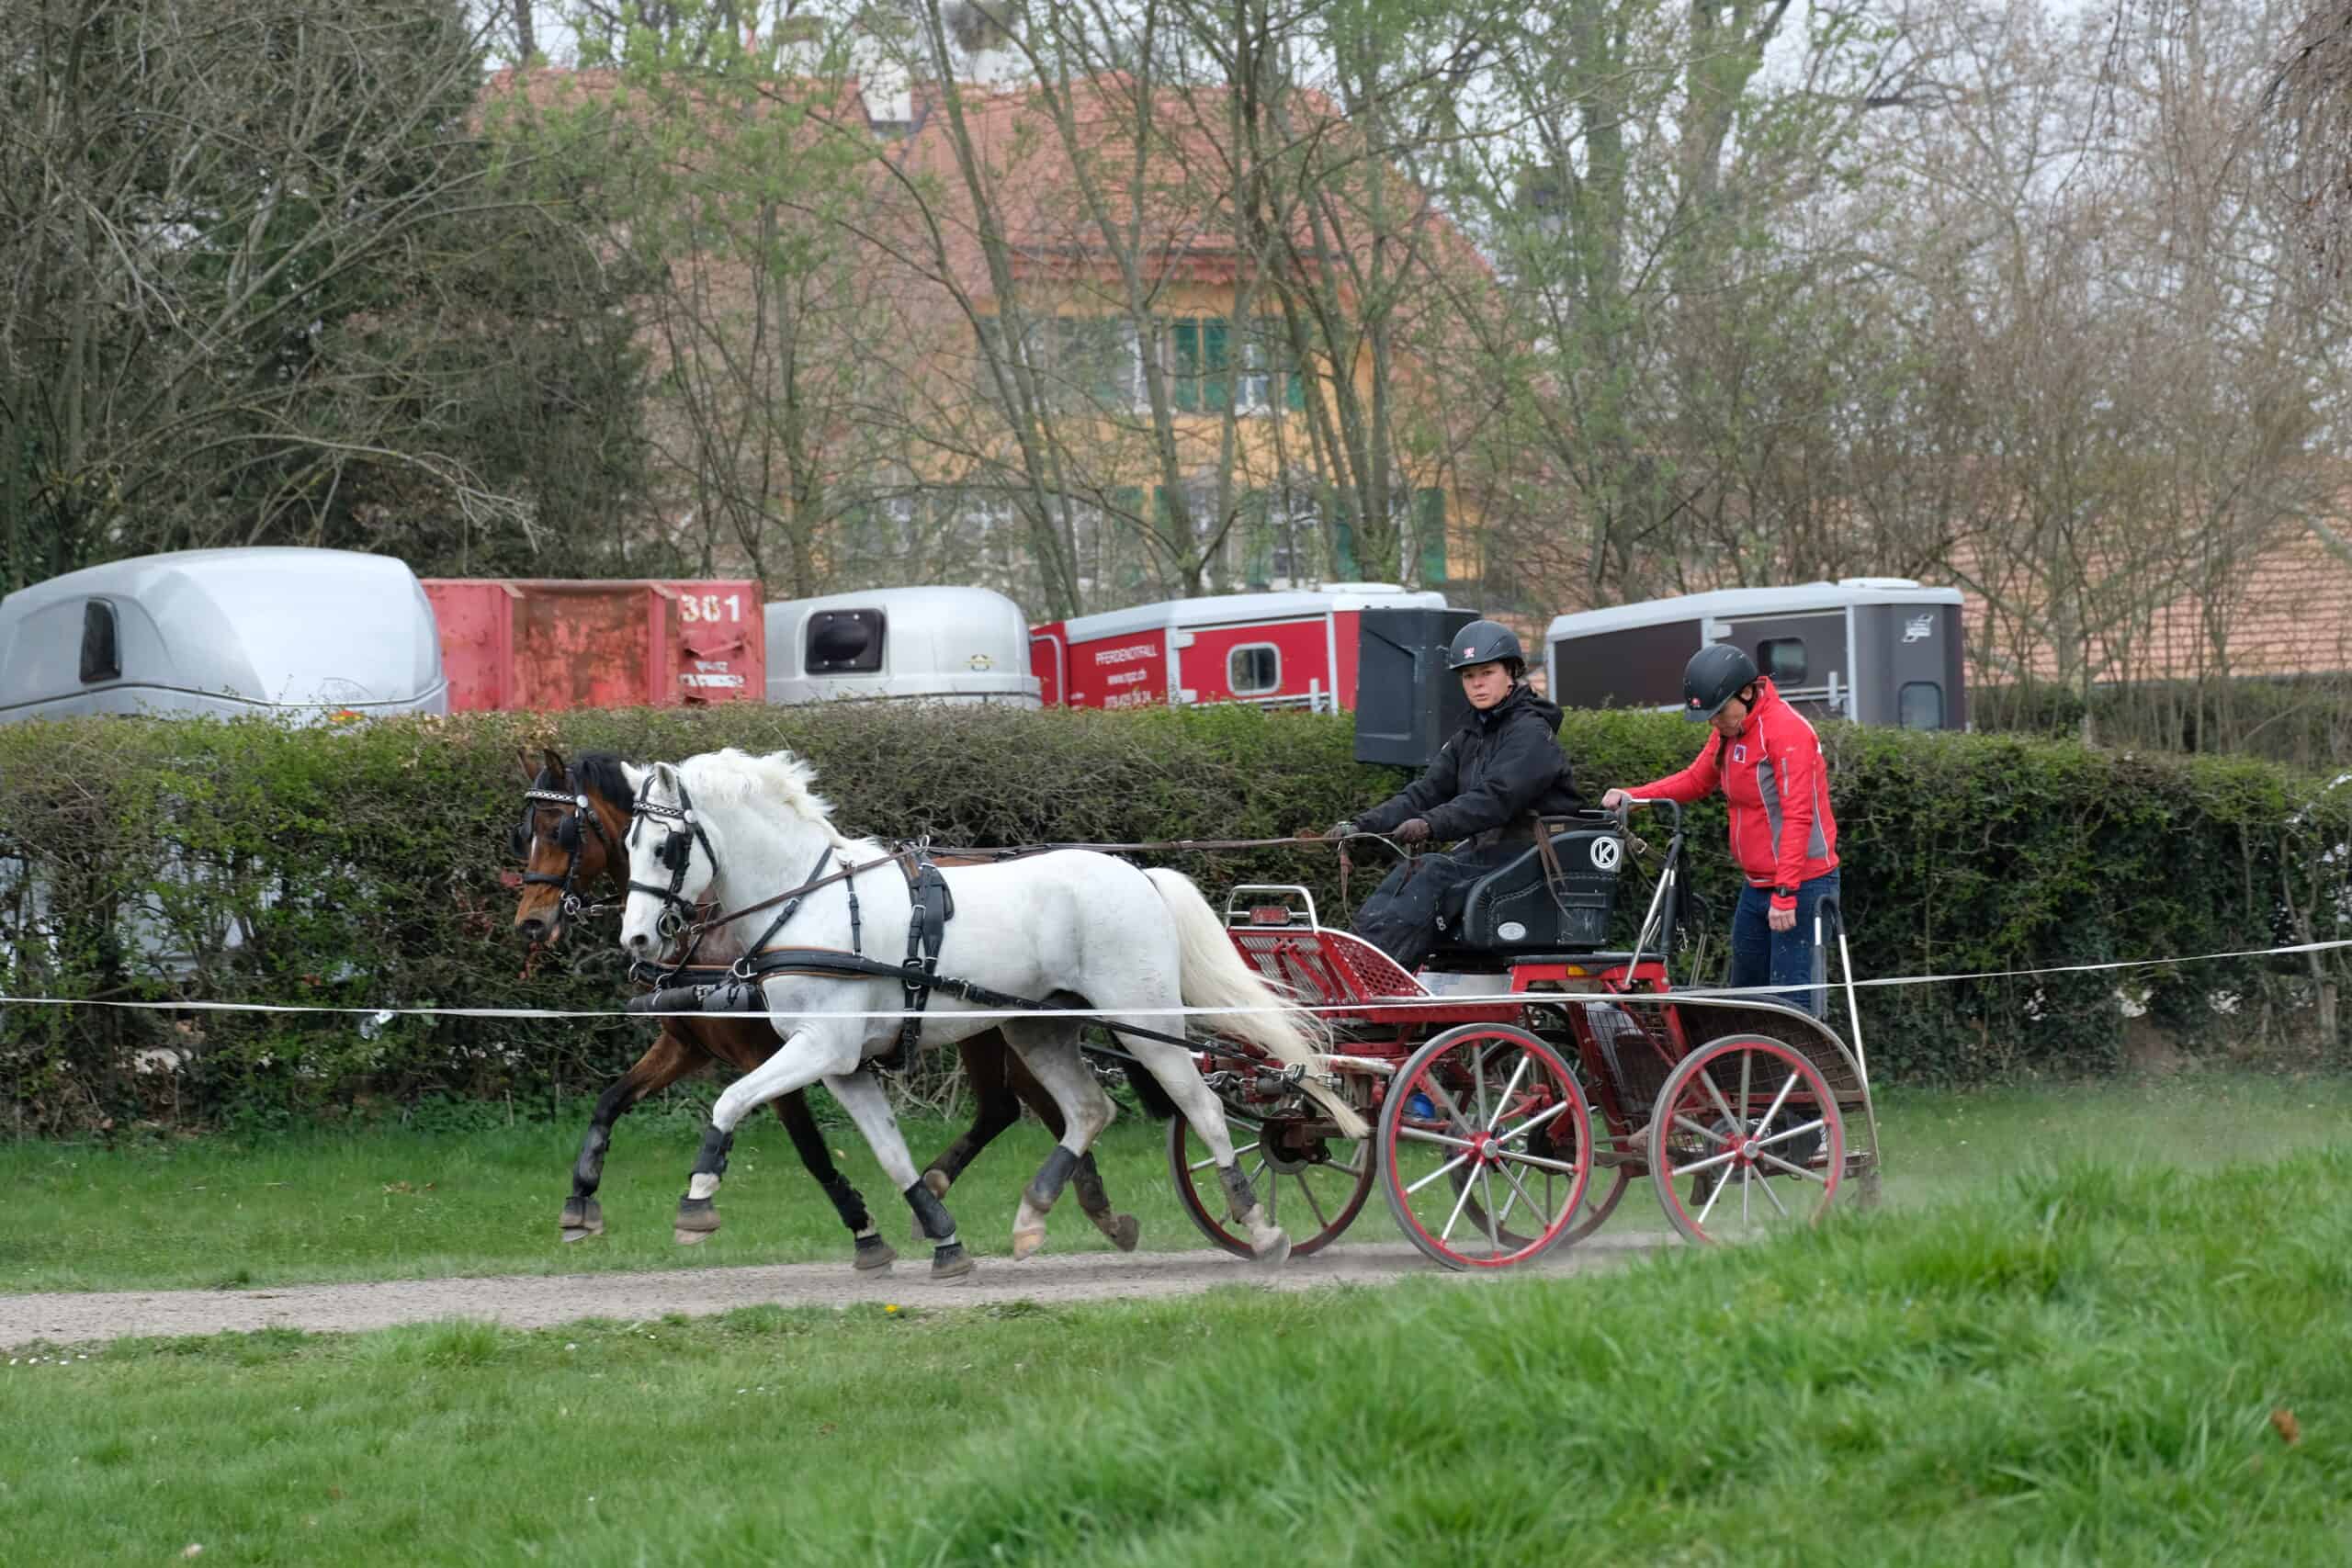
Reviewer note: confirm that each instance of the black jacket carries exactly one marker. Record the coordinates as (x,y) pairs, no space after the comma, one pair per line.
(1492,774)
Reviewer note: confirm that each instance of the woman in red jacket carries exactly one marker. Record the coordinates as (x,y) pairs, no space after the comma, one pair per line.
(1767,761)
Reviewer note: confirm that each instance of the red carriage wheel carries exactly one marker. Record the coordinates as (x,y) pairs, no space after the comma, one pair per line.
(1486,1116)
(1309,1184)
(1602,1196)
(1746,1140)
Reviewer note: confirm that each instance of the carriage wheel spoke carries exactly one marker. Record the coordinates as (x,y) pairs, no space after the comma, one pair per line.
(1812,1126)
(1709,1207)
(1772,1195)
(1778,1100)
(1795,1169)
(1322,1219)
(1423,1135)
(1738,1125)
(1747,1066)
(1478,1080)
(1696,1166)
(1543,1215)
(1530,1126)
(1201,1165)
(1707,1133)
(1448,1169)
(1445,1096)
(1453,1218)
(1494,1225)
(1502,1107)
(1520,1157)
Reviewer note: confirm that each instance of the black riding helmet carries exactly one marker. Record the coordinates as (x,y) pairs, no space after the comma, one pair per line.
(1714,676)
(1486,642)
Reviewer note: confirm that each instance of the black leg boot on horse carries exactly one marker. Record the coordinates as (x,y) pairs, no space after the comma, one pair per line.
(698,1210)
(1000,1085)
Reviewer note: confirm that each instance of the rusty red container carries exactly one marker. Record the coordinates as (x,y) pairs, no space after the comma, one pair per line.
(545,643)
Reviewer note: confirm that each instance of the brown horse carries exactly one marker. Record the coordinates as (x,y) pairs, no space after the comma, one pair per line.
(573,820)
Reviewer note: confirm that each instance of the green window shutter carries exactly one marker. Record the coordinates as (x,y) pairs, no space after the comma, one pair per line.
(1429,515)
(1343,551)
(1216,389)
(1294,391)
(1186,369)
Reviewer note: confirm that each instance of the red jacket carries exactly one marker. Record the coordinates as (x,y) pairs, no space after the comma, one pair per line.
(1773,776)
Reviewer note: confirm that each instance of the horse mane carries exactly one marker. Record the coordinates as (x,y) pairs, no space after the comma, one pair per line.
(736,776)
(599,773)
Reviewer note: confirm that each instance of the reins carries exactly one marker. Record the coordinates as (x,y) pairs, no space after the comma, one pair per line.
(995,855)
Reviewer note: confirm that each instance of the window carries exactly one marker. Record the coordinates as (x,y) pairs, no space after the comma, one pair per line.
(1783,659)
(101,655)
(845,642)
(1920,705)
(1209,363)
(1096,362)
(1253,670)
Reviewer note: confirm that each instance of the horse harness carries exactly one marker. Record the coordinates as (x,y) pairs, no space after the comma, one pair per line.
(931,906)
(567,838)
(736,987)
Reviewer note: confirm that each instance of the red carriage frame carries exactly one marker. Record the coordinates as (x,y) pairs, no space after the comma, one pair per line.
(1533,1072)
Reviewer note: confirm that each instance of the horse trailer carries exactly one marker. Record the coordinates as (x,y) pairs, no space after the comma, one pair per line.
(1277,651)
(1872,649)
(954,644)
(300,634)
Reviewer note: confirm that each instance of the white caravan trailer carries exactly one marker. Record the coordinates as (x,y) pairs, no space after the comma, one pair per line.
(957,645)
(297,633)
(1873,649)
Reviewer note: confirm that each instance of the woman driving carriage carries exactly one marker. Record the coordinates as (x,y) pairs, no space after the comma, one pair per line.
(1489,783)
(1767,761)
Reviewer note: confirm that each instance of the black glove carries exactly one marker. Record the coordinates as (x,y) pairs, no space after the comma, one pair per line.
(1412,830)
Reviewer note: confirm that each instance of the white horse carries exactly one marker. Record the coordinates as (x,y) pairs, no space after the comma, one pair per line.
(1066,925)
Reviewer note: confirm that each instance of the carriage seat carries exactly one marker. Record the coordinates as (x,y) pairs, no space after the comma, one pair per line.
(1525,905)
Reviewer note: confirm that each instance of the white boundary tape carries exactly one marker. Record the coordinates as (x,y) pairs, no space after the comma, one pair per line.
(1461,999)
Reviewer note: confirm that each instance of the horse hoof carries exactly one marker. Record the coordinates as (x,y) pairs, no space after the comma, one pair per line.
(937,1181)
(580,1232)
(874,1255)
(1269,1251)
(1125,1232)
(697,1218)
(582,1219)
(950,1262)
(685,1237)
(1025,1242)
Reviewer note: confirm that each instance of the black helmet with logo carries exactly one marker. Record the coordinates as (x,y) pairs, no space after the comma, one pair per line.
(1485,642)
(1714,676)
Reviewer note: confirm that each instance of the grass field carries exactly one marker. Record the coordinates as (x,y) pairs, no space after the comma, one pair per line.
(388,1203)
(2087,1364)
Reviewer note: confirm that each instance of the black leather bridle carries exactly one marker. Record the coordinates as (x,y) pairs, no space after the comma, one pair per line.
(568,831)
(676,854)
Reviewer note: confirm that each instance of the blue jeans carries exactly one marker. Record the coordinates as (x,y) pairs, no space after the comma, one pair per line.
(1762,956)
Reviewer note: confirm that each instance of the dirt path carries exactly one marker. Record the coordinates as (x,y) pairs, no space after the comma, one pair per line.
(543,1301)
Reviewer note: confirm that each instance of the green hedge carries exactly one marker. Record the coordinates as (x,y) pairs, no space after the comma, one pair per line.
(2302,721)
(364,866)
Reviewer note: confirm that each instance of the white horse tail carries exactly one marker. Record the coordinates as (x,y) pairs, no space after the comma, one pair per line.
(1214,975)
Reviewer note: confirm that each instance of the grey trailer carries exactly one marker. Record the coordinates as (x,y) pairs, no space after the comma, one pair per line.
(300,634)
(1872,649)
(955,644)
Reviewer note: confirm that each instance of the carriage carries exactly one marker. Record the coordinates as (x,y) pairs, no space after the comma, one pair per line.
(1521,1083)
